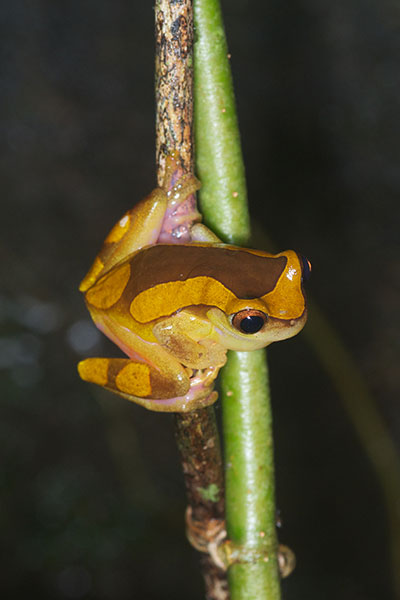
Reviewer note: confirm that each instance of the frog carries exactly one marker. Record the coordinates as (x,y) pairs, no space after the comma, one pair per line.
(175,298)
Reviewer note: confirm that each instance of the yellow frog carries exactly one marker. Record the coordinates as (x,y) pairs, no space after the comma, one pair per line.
(174,298)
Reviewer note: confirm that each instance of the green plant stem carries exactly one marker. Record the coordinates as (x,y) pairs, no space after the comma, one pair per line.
(250,494)
(219,162)
(250,504)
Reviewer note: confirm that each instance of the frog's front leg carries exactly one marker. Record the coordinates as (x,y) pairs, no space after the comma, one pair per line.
(188,336)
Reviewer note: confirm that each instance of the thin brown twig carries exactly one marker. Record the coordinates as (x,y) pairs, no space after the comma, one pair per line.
(196,431)
(174,82)
(199,447)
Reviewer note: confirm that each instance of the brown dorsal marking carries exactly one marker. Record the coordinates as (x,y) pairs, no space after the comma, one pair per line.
(245,274)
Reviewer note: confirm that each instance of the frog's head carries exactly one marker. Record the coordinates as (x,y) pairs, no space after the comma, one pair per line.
(280,313)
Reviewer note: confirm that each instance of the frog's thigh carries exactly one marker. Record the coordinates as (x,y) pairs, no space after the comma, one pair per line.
(134,379)
(138,227)
(145,222)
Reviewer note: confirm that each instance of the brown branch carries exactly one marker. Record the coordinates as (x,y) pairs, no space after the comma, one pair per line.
(196,431)
(174,82)
(199,447)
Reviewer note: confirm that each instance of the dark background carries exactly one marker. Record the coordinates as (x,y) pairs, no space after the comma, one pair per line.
(91,499)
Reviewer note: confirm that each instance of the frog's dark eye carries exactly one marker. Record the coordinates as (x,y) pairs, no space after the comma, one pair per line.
(249,321)
(306,268)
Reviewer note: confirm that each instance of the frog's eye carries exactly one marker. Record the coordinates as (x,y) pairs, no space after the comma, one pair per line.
(306,268)
(249,321)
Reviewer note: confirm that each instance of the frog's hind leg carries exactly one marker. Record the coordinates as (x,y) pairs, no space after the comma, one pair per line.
(139,382)
(137,228)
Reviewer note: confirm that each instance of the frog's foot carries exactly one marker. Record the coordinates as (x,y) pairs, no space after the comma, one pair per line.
(200,394)
(202,379)
(191,401)
(181,211)
(141,383)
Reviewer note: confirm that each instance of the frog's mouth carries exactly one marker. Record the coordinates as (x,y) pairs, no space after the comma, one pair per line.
(283,329)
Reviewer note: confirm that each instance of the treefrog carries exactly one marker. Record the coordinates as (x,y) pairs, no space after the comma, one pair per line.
(174,298)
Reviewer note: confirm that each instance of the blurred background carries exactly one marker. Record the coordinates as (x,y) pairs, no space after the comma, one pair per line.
(91,494)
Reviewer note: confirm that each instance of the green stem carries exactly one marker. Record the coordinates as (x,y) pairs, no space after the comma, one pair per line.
(219,162)
(250,504)
(250,494)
